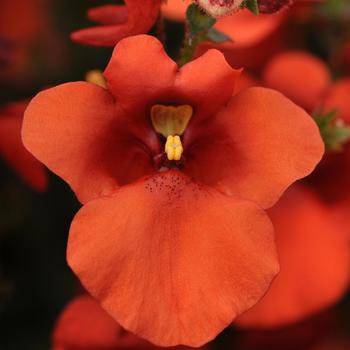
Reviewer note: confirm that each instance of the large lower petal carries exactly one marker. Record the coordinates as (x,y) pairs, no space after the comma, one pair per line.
(300,76)
(78,132)
(172,260)
(255,148)
(314,256)
(141,15)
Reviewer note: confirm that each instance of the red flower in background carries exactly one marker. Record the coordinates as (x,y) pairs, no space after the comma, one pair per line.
(314,256)
(84,325)
(12,150)
(118,22)
(29,43)
(173,171)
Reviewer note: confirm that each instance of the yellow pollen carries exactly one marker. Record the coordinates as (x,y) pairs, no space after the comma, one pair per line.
(173,147)
(95,76)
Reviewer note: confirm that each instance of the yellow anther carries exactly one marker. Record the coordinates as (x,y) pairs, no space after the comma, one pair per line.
(96,77)
(171,120)
(173,147)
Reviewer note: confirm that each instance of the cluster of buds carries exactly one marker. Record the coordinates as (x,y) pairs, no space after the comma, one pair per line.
(271,6)
(219,8)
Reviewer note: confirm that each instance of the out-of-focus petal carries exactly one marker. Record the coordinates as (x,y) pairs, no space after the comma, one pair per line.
(141,15)
(300,76)
(13,151)
(337,98)
(172,260)
(314,255)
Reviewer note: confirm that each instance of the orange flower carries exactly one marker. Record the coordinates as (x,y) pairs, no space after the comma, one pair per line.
(173,171)
(13,151)
(118,22)
(314,259)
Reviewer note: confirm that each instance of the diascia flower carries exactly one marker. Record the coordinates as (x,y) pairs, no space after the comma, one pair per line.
(12,150)
(173,171)
(118,21)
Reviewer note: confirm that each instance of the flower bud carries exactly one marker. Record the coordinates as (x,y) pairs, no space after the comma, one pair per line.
(219,8)
(271,6)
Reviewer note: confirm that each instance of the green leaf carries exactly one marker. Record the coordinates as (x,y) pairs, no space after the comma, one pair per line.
(335,133)
(216,36)
(198,21)
(251,5)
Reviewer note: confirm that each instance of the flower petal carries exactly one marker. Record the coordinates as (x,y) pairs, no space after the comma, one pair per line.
(85,325)
(172,260)
(78,132)
(286,73)
(142,14)
(256,147)
(153,72)
(108,14)
(338,99)
(206,83)
(13,151)
(315,263)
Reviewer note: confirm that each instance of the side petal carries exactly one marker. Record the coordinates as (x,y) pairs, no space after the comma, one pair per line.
(142,14)
(171,260)
(16,156)
(287,73)
(75,130)
(256,147)
(315,263)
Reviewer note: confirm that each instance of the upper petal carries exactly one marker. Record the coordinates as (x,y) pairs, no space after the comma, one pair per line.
(172,260)
(140,71)
(315,262)
(77,131)
(206,83)
(287,73)
(141,15)
(256,147)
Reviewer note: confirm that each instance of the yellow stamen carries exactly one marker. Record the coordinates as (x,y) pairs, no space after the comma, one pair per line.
(173,147)
(171,120)
(95,76)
